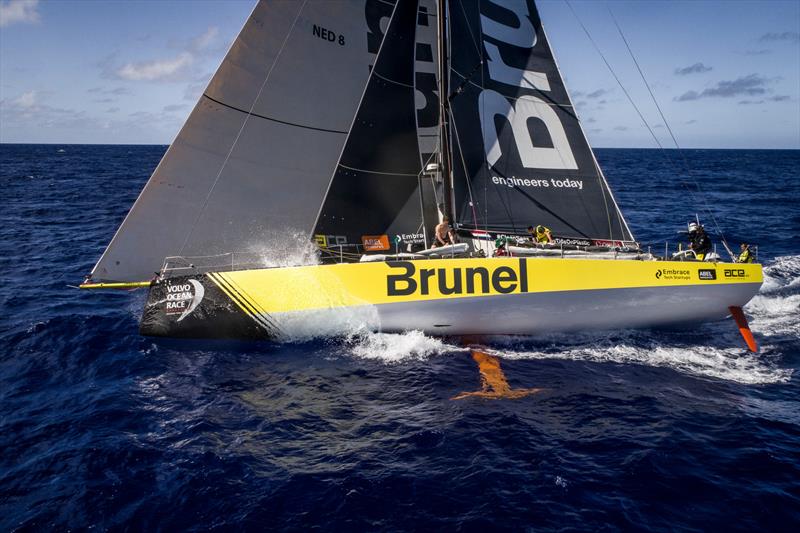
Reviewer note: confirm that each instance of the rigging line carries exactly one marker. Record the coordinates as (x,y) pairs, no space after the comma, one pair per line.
(469,27)
(604,186)
(431,157)
(686,165)
(614,74)
(464,82)
(244,124)
(628,96)
(464,165)
(483,114)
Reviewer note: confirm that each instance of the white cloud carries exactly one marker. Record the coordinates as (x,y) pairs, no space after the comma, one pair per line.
(202,41)
(25,100)
(175,68)
(164,69)
(12,11)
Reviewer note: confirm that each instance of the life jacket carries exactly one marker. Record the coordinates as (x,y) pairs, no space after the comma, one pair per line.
(541,237)
(746,257)
(701,244)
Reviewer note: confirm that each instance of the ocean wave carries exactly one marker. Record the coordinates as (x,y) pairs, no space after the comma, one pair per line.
(632,347)
(398,347)
(775,310)
(717,354)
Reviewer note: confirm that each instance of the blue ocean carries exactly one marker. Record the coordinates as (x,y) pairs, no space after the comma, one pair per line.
(676,430)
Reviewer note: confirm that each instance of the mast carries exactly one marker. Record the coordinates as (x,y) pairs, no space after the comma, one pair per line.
(444,103)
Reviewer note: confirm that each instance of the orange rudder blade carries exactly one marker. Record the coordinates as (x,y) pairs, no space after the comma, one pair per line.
(744,329)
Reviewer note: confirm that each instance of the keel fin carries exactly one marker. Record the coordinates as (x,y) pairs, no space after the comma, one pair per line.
(494,385)
(744,328)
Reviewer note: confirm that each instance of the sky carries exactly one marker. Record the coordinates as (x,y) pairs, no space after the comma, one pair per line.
(725,73)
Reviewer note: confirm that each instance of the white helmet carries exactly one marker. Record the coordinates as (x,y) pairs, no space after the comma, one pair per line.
(693,227)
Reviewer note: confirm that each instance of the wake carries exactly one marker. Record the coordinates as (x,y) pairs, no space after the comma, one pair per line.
(716,351)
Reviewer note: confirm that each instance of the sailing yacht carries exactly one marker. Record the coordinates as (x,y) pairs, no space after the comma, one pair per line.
(361,124)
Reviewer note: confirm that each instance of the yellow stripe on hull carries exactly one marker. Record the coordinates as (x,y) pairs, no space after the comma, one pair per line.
(287,290)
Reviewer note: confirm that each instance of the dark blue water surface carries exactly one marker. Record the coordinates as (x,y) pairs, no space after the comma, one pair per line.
(676,430)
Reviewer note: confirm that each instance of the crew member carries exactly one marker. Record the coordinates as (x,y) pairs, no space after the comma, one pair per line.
(746,256)
(699,241)
(540,234)
(500,247)
(444,234)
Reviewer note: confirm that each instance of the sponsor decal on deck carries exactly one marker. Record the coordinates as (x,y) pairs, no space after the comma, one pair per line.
(375,243)
(572,242)
(673,273)
(406,279)
(707,274)
(183,298)
(328,241)
(409,238)
(736,273)
(611,244)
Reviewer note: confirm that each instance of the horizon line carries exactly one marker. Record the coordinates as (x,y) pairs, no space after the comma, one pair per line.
(592,147)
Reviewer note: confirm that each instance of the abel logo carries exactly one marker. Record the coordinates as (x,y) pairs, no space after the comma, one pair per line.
(374,243)
(183,298)
(707,274)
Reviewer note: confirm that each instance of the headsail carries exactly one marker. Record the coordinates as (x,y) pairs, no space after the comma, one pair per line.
(258,149)
(520,156)
(374,198)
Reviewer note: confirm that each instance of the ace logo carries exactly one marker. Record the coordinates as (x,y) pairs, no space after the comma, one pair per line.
(735,273)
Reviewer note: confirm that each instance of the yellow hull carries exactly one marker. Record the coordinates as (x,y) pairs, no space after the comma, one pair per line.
(456,296)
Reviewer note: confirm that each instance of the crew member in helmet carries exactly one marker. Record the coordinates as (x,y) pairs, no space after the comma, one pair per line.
(699,241)
(540,234)
(746,256)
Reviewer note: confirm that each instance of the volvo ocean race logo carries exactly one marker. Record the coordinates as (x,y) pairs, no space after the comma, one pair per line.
(183,298)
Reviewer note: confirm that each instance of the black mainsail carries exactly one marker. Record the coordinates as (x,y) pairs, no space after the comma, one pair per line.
(520,156)
(374,196)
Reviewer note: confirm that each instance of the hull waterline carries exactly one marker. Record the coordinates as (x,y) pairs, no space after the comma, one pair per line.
(496,296)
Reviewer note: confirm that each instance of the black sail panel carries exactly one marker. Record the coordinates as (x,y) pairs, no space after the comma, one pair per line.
(373,197)
(520,155)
